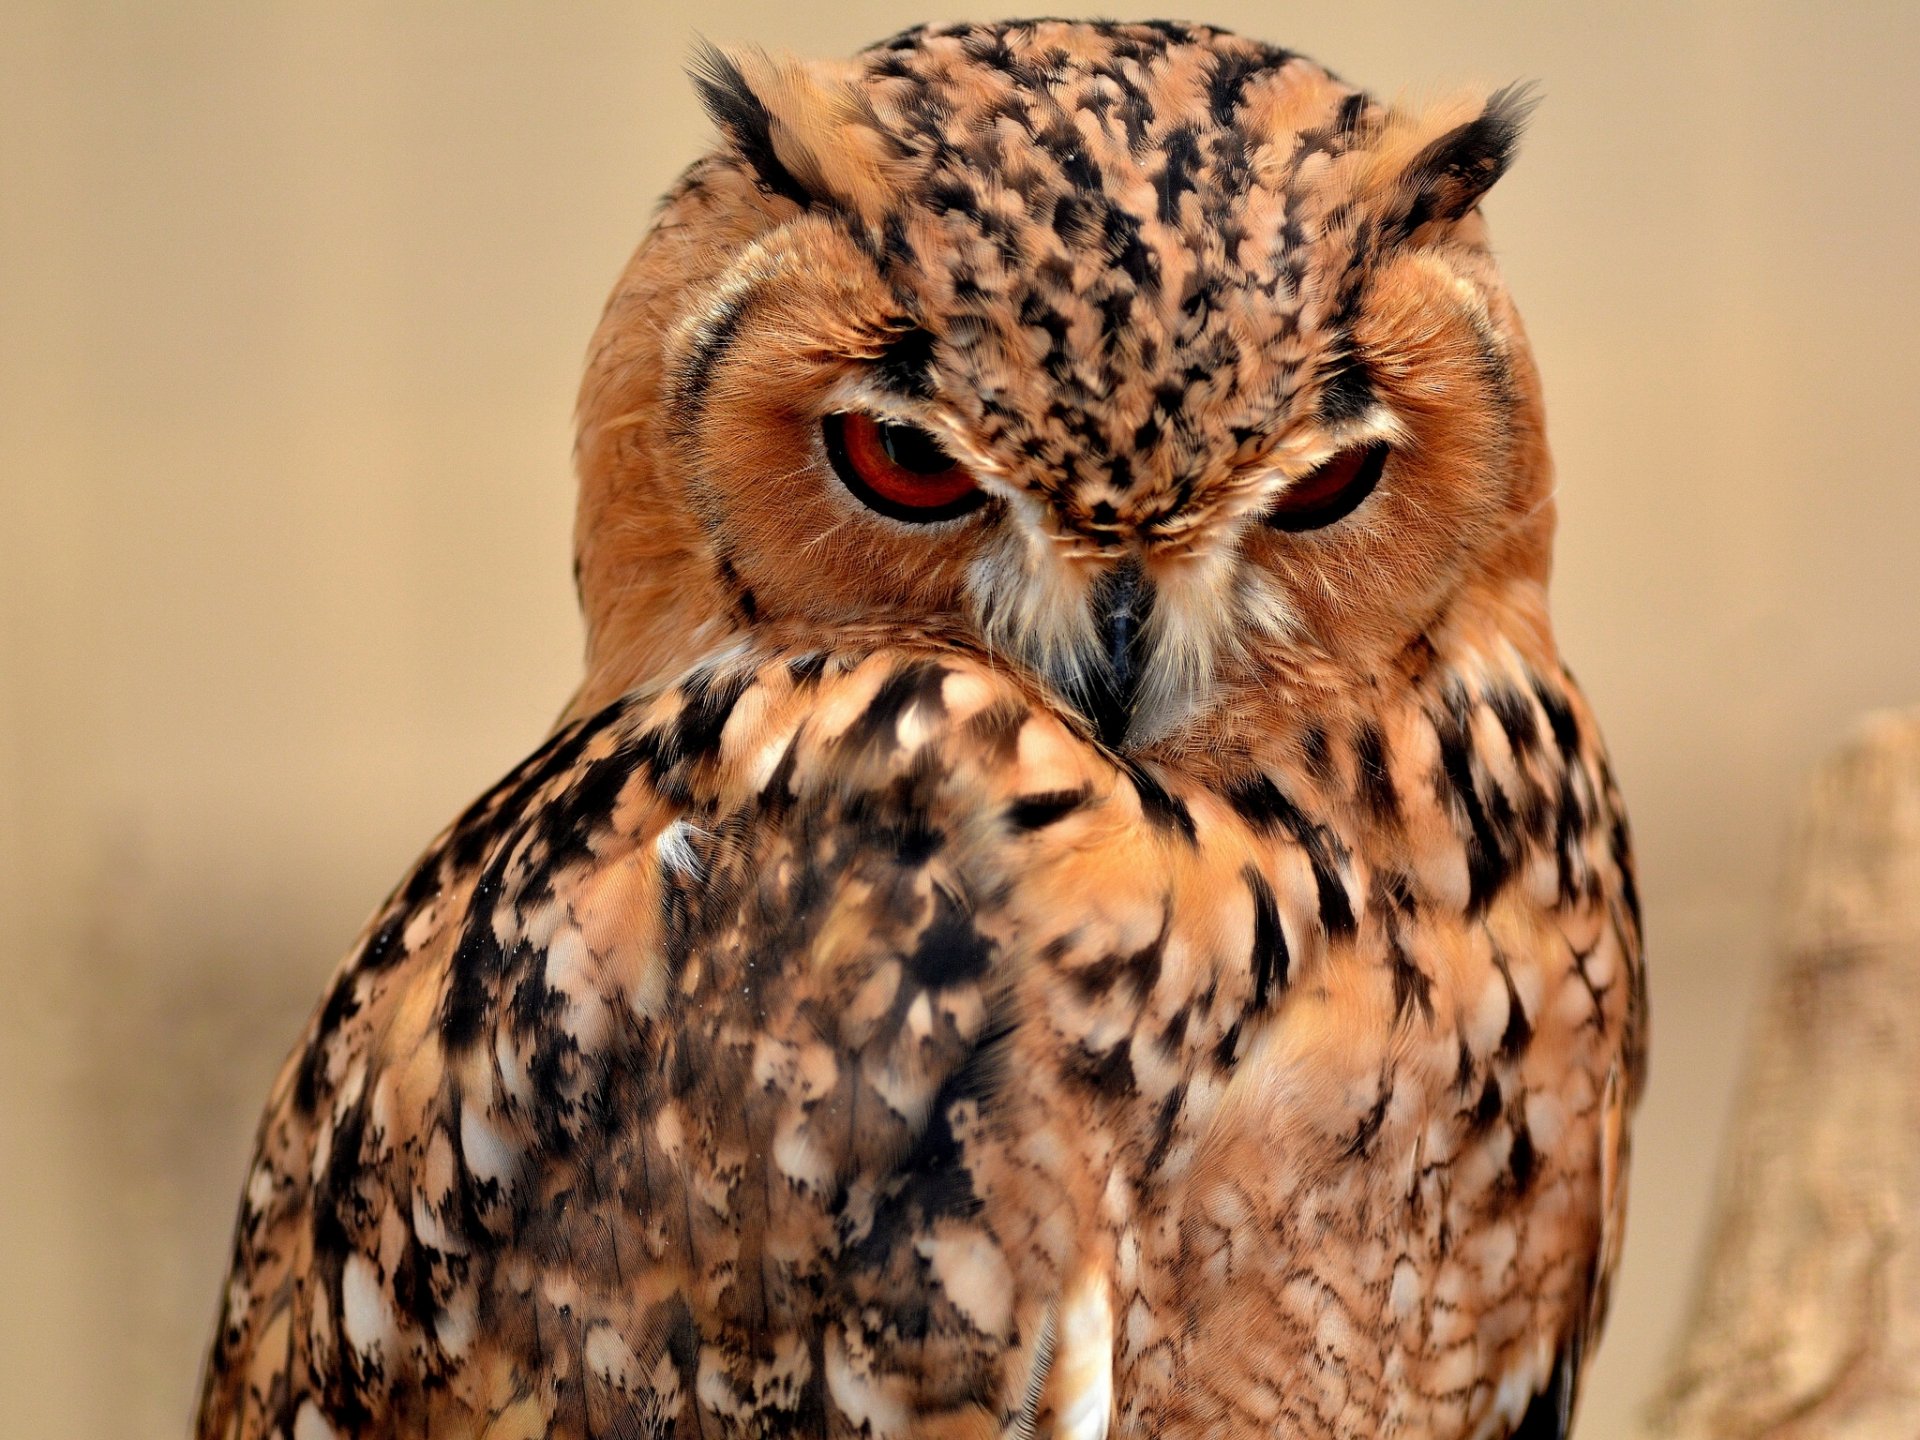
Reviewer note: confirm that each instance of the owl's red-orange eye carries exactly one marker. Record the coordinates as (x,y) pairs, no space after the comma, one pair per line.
(1331,492)
(898,470)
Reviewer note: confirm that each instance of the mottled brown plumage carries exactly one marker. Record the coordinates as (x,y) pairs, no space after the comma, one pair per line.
(1144,948)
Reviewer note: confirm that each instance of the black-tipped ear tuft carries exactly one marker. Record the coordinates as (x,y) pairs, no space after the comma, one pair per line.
(1447,179)
(730,100)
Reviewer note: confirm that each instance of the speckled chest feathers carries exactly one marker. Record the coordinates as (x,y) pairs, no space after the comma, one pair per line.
(1076,897)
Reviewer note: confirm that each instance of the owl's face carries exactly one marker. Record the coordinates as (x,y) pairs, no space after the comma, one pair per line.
(1152,360)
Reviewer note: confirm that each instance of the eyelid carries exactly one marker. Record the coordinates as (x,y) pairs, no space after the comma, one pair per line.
(1300,454)
(848,396)
(1331,491)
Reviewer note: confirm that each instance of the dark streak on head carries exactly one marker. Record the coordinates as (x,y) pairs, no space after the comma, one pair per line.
(1449,177)
(905,366)
(710,346)
(747,123)
(1228,83)
(1347,393)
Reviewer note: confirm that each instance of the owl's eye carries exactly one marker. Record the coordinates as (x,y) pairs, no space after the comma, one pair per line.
(1331,492)
(898,470)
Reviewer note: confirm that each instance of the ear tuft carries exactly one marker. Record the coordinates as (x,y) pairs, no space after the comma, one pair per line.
(1448,178)
(805,128)
(745,119)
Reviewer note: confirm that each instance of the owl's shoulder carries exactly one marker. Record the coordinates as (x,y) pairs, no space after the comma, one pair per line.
(770,899)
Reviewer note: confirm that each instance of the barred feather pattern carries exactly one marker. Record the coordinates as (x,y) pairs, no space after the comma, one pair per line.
(779,1056)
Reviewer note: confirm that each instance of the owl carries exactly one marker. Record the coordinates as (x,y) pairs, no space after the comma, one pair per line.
(1076,897)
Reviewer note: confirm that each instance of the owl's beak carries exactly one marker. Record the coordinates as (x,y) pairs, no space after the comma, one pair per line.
(1122,600)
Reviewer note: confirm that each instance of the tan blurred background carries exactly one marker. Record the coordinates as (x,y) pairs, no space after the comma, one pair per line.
(292,302)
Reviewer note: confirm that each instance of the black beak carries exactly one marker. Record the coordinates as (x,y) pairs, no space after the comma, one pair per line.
(1122,600)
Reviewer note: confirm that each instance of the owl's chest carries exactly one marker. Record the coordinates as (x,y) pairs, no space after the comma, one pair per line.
(1390,1200)
(1356,1123)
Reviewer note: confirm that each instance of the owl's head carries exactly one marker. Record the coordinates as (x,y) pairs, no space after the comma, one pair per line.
(1152,360)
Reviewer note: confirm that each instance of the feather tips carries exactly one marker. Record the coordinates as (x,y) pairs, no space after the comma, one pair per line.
(1432,165)
(805,131)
